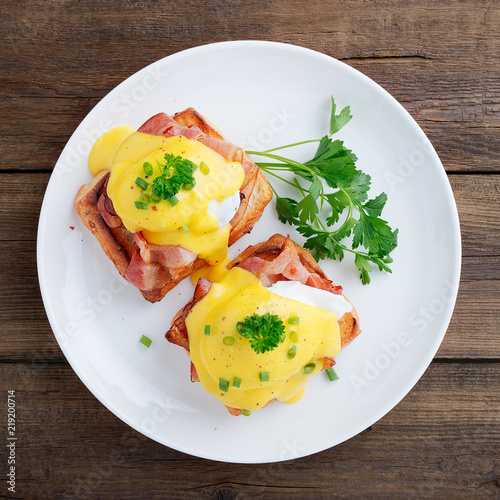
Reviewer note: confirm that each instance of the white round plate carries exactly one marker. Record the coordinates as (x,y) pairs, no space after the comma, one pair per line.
(261,95)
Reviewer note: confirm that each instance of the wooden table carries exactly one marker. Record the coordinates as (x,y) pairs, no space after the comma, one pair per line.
(440,59)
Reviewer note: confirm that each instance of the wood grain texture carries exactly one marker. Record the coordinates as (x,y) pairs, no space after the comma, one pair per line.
(439,58)
(478,301)
(65,56)
(436,443)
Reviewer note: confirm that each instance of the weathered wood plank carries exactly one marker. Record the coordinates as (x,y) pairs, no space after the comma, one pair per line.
(26,333)
(406,50)
(465,137)
(441,441)
(477,197)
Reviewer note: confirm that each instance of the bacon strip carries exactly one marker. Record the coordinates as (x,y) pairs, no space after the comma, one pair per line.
(286,266)
(162,124)
(172,256)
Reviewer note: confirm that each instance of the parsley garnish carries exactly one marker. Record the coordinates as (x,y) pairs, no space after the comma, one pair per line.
(176,173)
(265,331)
(317,212)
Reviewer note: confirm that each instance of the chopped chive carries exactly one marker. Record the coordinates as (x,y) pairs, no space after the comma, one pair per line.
(146,341)
(207,330)
(148,168)
(185,229)
(294,336)
(264,376)
(236,382)
(309,368)
(246,413)
(223,384)
(145,198)
(173,200)
(204,168)
(141,183)
(188,187)
(293,320)
(332,375)
(140,205)
(155,199)
(228,340)
(291,352)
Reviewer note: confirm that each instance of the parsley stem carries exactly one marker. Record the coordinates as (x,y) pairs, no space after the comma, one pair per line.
(295,182)
(283,159)
(280,178)
(283,147)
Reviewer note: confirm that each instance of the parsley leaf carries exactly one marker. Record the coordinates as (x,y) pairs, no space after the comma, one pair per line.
(327,219)
(265,331)
(338,121)
(176,173)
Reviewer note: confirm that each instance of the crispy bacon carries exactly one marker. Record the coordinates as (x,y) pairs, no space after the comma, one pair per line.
(144,252)
(286,266)
(139,273)
(172,256)
(225,148)
(107,210)
(162,124)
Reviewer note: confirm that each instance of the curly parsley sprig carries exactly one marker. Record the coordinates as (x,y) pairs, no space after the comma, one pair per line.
(373,239)
(265,331)
(176,173)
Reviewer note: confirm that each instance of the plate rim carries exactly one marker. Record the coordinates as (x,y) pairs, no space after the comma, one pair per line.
(450,202)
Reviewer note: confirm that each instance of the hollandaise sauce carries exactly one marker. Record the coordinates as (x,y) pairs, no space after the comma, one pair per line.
(189,218)
(226,364)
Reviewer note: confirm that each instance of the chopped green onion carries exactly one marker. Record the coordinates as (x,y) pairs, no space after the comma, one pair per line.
(291,352)
(173,200)
(141,183)
(223,385)
(236,382)
(294,336)
(185,229)
(140,205)
(309,368)
(145,198)
(246,413)
(264,376)
(293,320)
(188,187)
(155,199)
(332,375)
(148,168)
(207,330)
(204,168)
(228,340)
(146,341)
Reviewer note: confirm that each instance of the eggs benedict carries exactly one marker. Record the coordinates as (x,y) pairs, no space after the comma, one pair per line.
(169,198)
(257,329)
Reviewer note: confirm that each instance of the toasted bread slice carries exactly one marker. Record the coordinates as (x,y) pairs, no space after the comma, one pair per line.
(254,259)
(118,243)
